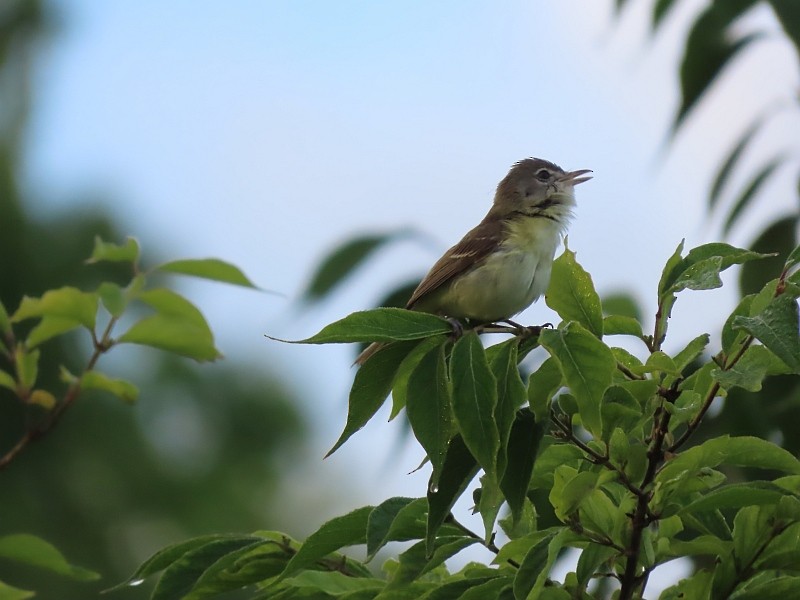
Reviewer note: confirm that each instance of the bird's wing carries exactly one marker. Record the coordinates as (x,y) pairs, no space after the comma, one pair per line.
(473,248)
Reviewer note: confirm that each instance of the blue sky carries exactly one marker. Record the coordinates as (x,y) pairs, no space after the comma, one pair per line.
(265,133)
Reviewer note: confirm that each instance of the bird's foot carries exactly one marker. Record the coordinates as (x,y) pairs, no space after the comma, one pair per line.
(458,327)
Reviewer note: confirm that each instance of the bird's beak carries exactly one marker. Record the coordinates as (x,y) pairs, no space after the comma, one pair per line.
(574,177)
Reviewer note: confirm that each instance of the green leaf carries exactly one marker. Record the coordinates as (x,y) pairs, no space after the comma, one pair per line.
(380,521)
(576,487)
(27,366)
(572,295)
(30,550)
(788,14)
(587,365)
(65,303)
(460,467)
(532,574)
(5,323)
(336,584)
(753,187)
(748,372)
(737,495)
(407,366)
(379,325)
(337,533)
(208,268)
(779,237)
(510,394)
(110,252)
(49,327)
(709,47)
(791,261)
(619,409)
(113,298)
(776,327)
(124,390)
(691,352)
(488,499)
(782,587)
(371,386)
(669,273)
(592,557)
(429,409)
(542,384)
(7,381)
(181,575)
(344,259)
(731,161)
(523,446)
(620,325)
(8,592)
(621,304)
(417,561)
(474,400)
(177,327)
(660,10)
(701,267)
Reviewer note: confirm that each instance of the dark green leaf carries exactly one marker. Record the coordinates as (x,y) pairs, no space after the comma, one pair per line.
(750,191)
(417,561)
(337,533)
(475,400)
(27,549)
(779,237)
(429,410)
(748,372)
(110,252)
(65,303)
(460,467)
(523,446)
(208,268)
(621,304)
(778,588)
(619,325)
(587,365)
(342,261)
(371,386)
(113,298)
(777,328)
(671,270)
(731,161)
(542,384)
(5,322)
(572,295)
(380,522)
(788,13)
(407,366)
(488,499)
(731,338)
(380,325)
(532,574)
(592,557)
(337,584)
(510,394)
(737,495)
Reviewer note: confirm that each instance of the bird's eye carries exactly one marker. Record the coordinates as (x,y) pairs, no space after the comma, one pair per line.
(543,175)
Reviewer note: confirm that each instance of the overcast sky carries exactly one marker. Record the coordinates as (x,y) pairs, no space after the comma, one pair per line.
(265,133)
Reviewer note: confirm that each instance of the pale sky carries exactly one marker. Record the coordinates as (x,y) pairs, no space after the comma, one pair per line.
(264,133)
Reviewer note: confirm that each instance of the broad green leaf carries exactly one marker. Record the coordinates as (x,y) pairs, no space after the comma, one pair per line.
(124,390)
(749,192)
(549,459)
(684,409)
(621,325)
(110,252)
(691,352)
(587,365)
(474,400)
(696,586)
(751,530)
(30,550)
(113,298)
(619,410)
(737,495)
(731,338)
(380,520)
(336,584)
(42,398)
(7,381)
(668,274)
(566,498)
(701,266)
(460,467)
(417,561)
(8,592)
(49,327)
(344,259)
(380,325)
(731,161)
(488,499)
(5,323)
(510,394)
(27,366)
(748,372)
(542,384)
(777,328)
(177,327)
(371,386)
(493,588)
(523,446)
(64,303)
(208,268)
(660,362)
(429,408)
(181,575)
(337,533)
(621,304)
(782,587)
(532,574)
(407,366)
(779,237)
(572,295)
(702,545)
(589,562)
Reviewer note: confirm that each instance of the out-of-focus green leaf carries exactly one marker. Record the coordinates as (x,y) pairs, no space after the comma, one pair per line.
(65,303)
(31,550)
(709,48)
(779,237)
(124,390)
(49,327)
(660,11)
(619,325)
(750,192)
(621,304)
(5,323)
(27,366)
(475,400)
(788,12)
(460,467)
(8,592)
(398,297)
(208,268)
(572,295)
(776,327)
(371,386)
(110,252)
(731,161)
(587,365)
(429,408)
(379,325)
(113,298)
(7,381)
(178,326)
(342,261)
(337,533)
(42,398)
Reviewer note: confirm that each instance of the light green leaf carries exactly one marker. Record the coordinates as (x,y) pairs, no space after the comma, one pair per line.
(30,550)
(572,295)
(7,381)
(27,366)
(692,350)
(110,252)
(475,400)
(65,303)
(124,390)
(8,592)
(113,298)
(380,325)
(748,372)
(777,328)
(587,365)
(371,386)
(537,564)
(782,587)
(332,583)
(793,259)
(49,327)
(337,533)
(621,325)
(208,268)
(429,409)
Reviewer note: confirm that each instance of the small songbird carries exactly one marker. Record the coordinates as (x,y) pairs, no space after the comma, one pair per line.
(503,265)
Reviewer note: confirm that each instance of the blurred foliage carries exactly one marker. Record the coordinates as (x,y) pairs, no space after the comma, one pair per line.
(203,449)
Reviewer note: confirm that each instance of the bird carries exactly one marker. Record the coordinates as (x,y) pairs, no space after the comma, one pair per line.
(503,265)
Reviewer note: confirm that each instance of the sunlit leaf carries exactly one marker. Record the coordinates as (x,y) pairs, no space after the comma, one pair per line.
(208,268)
(113,298)
(65,303)
(27,366)
(110,252)
(49,327)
